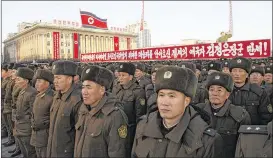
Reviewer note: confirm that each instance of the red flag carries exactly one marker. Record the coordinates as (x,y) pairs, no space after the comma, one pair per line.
(116,43)
(90,20)
(76,45)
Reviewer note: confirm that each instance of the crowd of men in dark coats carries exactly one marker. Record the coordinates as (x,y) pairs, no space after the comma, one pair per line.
(213,108)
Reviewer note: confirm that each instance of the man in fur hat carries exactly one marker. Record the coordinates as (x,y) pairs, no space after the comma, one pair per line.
(248,95)
(64,110)
(15,93)
(132,96)
(140,75)
(225,67)
(41,110)
(7,112)
(4,82)
(225,118)
(176,129)
(256,75)
(101,115)
(24,105)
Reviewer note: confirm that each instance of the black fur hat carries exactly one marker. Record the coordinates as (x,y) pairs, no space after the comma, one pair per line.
(44,74)
(257,68)
(188,65)
(5,67)
(140,66)
(16,66)
(10,66)
(213,65)
(64,67)
(176,78)
(268,69)
(225,64)
(128,68)
(156,67)
(100,75)
(240,62)
(111,68)
(221,79)
(25,73)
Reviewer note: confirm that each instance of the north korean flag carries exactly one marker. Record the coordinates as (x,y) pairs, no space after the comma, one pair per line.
(90,20)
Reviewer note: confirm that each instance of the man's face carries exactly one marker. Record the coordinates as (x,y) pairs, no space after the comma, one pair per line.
(218,95)
(239,75)
(197,72)
(256,77)
(21,82)
(76,79)
(268,78)
(171,104)
(116,73)
(226,70)
(153,77)
(41,85)
(138,74)
(13,74)
(4,73)
(92,92)
(62,82)
(124,78)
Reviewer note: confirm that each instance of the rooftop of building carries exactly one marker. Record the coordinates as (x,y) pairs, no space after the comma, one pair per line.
(70,28)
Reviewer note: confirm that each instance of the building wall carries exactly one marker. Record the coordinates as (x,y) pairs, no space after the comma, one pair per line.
(38,43)
(144,38)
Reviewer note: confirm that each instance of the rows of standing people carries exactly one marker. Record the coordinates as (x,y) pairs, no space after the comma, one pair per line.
(89,110)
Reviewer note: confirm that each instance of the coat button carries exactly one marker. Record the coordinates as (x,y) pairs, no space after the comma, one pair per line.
(65,151)
(92,134)
(252,104)
(228,132)
(159,140)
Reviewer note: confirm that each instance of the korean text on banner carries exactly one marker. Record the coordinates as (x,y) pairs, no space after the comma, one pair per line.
(248,49)
(56,45)
(116,43)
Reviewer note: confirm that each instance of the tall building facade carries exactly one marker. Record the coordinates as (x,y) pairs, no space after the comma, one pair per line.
(144,39)
(48,41)
(144,36)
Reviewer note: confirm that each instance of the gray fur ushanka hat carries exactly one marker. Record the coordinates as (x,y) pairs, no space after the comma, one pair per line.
(176,78)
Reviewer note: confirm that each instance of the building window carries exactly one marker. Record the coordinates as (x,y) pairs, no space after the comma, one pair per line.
(62,43)
(62,35)
(62,51)
(68,51)
(68,43)
(67,36)
(48,43)
(48,35)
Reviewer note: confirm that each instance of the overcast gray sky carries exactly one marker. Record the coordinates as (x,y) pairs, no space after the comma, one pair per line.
(169,21)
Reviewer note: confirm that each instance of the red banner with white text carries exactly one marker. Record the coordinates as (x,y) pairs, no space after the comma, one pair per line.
(56,45)
(248,49)
(76,45)
(116,43)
